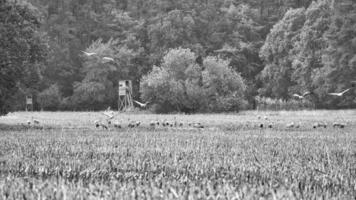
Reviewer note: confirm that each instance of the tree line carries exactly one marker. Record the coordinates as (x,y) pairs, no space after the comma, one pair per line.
(275,47)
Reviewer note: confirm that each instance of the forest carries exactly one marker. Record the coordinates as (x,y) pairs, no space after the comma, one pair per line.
(232,52)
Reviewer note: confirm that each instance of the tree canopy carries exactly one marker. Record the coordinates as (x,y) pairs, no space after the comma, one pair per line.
(181,84)
(277,47)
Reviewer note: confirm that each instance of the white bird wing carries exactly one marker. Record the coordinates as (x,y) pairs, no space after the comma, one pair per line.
(88,53)
(108,58)
(139,103)
(297,95)
(334,94)
(109,114)
(343,92)
(306,93)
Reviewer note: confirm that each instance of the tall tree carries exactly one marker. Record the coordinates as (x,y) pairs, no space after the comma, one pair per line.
(22,50)
(277,54)
(339,57)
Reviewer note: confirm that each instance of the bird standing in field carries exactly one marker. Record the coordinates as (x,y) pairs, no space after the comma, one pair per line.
(117,124)
(33,121)
(36,122)
(153,124)
(99,124)
(198,125)
(320,124)
(340,94)
(142,105)
(340,125)
(300,97)
(88,53)
(290,125)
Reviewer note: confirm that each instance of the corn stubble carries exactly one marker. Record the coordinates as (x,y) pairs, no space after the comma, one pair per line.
(160,164)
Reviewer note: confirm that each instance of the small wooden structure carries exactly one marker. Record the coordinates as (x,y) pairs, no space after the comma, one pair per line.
(125,95)
(29,103)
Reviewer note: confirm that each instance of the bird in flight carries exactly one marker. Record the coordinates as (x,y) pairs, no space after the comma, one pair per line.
(340,94)
(88,53)
(108,59)
(142,105)
(301,96)
(109,114)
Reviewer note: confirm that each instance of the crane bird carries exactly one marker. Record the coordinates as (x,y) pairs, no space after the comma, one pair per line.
(108,59)
(117,124)
(198,125)
(35,121)
(99,124)
(301,96)
(290,125)
(133,124)
(109,114)
(340,125)
(153,124)
(340,94)
(88,53)
(321,124)
(142,105)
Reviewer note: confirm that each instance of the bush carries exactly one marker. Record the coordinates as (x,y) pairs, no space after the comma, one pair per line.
(182,85)
(50,98)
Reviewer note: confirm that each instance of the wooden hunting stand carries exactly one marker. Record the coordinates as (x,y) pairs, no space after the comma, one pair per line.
(125,95)
(29,103)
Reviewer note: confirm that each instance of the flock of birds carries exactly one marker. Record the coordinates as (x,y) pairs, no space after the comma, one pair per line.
(111,121)
(337,94)
(110,115)
(298,96)
(299,125)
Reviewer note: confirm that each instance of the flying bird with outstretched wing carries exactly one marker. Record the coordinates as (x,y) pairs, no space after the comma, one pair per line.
(88,53)
(298,96)
(301,96)
(108,58)
(109,114)
(339,94)
(142,105)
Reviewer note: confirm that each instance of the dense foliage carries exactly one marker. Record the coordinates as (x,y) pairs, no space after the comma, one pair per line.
(278,47)
(22,52)
(313,50)
(183,84)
